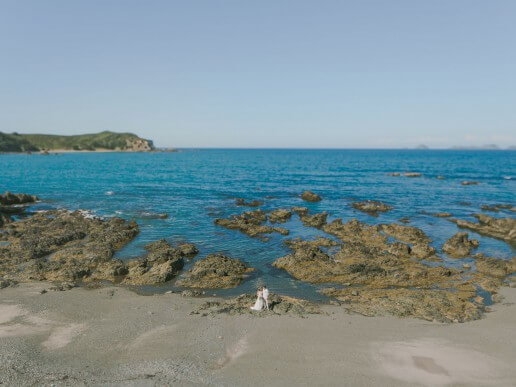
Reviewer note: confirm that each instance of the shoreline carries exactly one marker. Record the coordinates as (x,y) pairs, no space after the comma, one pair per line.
(113,336)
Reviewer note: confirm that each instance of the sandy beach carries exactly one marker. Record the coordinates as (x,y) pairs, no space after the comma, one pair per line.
(112,336)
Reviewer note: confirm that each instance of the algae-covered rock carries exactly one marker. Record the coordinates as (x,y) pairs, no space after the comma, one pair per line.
(251,203)
(499,228)
(459,246)
(9,199)
(498,207)
(315,220)
(371,207)
(215,271)
(309,196)
(278,305)
(279,216)
(250,223)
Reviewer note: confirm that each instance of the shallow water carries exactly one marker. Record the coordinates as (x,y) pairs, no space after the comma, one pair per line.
(196,186)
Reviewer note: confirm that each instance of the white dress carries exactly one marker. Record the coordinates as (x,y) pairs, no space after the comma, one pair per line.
(259,304)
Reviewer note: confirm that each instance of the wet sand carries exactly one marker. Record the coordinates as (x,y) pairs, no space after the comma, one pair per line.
(112,336)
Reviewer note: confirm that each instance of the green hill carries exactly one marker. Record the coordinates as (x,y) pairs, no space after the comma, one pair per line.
(98,141)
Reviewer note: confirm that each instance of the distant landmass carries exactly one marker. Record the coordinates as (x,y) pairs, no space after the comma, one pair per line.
(104,141)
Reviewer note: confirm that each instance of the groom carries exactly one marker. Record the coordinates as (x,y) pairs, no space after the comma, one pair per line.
(265,293)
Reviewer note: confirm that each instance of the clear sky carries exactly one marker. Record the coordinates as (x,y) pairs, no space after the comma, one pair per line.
(271,73)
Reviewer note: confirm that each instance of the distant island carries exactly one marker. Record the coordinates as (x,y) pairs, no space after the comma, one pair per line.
(104,141)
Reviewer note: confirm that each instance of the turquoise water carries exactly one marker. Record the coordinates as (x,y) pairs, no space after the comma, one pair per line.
(196,186)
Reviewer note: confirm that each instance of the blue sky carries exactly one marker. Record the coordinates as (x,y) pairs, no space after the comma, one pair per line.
(270,73)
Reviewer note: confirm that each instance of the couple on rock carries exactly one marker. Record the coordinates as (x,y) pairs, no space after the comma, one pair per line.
(263,299)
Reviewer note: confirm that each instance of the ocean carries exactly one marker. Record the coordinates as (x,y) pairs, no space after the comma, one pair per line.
(194,187)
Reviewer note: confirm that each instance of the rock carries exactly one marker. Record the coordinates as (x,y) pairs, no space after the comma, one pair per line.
(494,267)
(215,271)
(412,174)
(250,223)
(499,228)
(5,283)
(442,214)
(309,196)
(459,246)
(372,207)
(394,174)
(431,305)
(466,182)
(466,266)
(64,246)
(191,293)
(162,263)
(300,210)
(413,235)
(441,177)
(278,305)
(188,249)
(243,202)
(404,220)
(9,199)
(279,216)
(315,220)
(498,207)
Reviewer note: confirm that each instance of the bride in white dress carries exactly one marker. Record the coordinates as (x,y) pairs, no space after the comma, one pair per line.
(260,302)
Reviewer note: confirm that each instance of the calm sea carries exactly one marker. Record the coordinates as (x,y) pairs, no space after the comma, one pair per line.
(194,187)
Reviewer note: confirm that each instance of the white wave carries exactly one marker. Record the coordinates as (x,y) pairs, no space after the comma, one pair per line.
(109,193)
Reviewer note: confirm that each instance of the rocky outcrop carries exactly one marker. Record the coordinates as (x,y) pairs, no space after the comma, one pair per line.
(315,220)
(378,276)
(215,271)
(442,214)
(300,210)
(251,223)
(371,207)
(278,305)
(244,203)
(426,304)
(9,199)
(309,196)
(499,228)
(459,246)
(279,216)
(162,263)
(64,246)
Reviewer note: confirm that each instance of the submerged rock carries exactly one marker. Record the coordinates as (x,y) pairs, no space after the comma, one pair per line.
(372,207)
(215,271)
(442,214)
(244,203)
(469,182)
(278,305)
(394,174)
(498,207)
(250,223)
(459,246)
(309,196)
(499,228)
(279,216)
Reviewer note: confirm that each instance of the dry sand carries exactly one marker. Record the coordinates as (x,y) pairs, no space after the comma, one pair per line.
(111,336)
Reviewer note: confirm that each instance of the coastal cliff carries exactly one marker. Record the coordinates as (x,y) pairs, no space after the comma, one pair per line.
(108,141)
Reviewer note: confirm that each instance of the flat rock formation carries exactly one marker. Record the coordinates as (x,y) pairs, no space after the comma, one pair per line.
(251,223)
(215,271)
(499,228)
(442,214)
(64,246)
(278,305)
(498,207)
(378,276)
(459,246)
(309,196)
(371,207)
